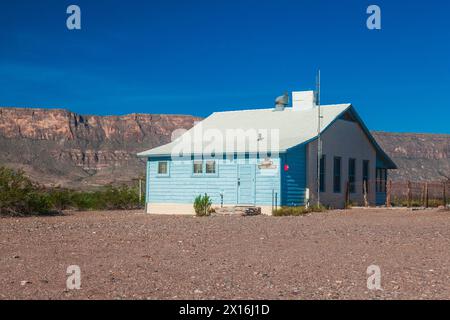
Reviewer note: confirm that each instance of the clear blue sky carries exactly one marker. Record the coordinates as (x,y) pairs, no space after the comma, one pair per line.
(197,57)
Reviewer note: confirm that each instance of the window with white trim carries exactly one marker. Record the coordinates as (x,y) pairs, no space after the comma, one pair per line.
(198,167)
(163,168)
(210,167)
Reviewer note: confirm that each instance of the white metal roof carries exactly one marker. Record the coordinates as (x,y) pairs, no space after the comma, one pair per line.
(276,131)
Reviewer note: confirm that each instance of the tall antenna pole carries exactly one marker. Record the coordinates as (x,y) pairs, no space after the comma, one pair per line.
(319,140)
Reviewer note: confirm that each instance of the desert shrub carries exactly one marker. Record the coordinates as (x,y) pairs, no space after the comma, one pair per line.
(61,199)
(107,198)
(432,203)
(121,198)
(202,205)
(435,203)
(19,196)
(316,208)
(38,202)
(84,201)
(296,211)
(290,211)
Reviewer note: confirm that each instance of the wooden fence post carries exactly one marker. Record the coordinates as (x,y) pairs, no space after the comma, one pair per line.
(388,194)
(422,195)
(426,194)
(409,194)
(444,196)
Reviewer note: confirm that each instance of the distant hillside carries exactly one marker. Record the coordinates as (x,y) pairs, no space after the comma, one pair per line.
(420,157)
(59,147)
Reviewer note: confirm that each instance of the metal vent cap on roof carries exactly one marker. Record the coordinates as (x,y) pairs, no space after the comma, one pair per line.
(281,102)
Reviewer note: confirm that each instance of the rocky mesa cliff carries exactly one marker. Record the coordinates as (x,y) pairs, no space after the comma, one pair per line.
(59,147)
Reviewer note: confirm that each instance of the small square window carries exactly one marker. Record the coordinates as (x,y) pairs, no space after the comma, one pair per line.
(163,167)
(210,167)
(198,167)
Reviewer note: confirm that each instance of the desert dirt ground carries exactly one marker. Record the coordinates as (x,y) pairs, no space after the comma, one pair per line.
(129,255)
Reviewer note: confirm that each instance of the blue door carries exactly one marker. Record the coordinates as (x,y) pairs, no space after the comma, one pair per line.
(246,184)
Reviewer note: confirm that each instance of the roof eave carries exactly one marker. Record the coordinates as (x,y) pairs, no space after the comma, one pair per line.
(146,155)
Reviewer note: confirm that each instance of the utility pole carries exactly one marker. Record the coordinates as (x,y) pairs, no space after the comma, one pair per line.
(319,140)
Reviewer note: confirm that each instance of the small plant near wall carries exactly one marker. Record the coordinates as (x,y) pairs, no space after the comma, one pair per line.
(202,205)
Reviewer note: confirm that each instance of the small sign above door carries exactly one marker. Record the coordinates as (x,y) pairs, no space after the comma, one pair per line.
(267,163)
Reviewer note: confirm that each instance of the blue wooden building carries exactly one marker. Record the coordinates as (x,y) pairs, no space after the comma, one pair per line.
(269,157)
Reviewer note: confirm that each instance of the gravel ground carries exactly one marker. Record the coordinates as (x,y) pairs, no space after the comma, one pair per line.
(135,256)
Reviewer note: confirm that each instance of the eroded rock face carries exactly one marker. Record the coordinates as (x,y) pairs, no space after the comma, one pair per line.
(59,147)
(420,157)
(62,125)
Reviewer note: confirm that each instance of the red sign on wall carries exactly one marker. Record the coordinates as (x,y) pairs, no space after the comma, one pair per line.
(286,167)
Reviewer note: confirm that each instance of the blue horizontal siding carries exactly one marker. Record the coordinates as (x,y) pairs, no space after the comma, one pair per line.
(181,186)
(293,181)
(268,183)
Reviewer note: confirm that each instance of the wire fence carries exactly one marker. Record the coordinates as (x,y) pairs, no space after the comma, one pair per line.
(417,194)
